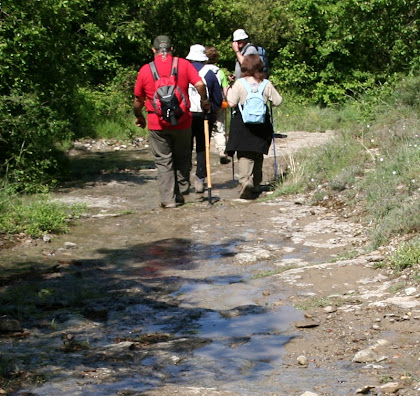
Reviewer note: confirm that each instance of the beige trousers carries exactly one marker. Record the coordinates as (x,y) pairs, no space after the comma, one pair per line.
(250,168)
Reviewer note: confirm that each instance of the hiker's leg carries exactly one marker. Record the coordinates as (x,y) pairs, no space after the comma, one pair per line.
(245,167)
(218,132)
(182,159)
(161,146)
(258,170)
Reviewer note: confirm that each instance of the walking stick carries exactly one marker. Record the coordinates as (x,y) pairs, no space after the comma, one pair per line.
(207,140)
(276,172)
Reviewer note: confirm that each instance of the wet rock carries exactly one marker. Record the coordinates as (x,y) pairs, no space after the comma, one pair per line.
(46,238)
(373,366)
(383,342)
(254,256)
(364,356)
(364,390)
(410,291)
(390,387)
(122,350)
(172,390)
(70,245)
(48,252)
(71,344)
(79,146)
(239,341)
(242,310)
(175,359)
(374,258)
(330,309)
(96,313)
(9,325)
(302,360)
(307,324)
(299,201)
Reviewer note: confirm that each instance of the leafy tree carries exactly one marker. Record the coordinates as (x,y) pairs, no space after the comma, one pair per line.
(336,48)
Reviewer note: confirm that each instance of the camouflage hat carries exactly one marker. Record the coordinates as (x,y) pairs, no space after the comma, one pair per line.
(161,42)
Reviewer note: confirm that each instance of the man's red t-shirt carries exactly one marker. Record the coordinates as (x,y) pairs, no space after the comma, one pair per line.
(145,87)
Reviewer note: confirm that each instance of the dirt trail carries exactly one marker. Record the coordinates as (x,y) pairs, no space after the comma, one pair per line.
(202,299)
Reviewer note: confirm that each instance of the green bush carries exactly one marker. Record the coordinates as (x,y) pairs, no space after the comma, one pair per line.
(106,111)
(407,255)
(30,156)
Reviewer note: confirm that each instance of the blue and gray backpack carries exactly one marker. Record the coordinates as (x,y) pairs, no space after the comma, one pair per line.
(254,109)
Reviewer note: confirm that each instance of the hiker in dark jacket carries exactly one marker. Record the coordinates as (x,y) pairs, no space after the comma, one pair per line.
(250,142)
(198,57)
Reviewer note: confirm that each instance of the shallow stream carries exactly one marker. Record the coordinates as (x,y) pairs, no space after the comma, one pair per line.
(156,298)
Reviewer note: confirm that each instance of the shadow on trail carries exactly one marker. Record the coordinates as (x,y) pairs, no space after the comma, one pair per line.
(149,313)
(109,165)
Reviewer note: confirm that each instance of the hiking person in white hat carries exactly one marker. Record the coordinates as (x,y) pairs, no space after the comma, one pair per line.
(198,58)
(219,129)
(240,45)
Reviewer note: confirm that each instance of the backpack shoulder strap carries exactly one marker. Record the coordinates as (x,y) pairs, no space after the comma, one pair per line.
(245,84)
(174,70)
(154,71)
(204,70)
(262,86)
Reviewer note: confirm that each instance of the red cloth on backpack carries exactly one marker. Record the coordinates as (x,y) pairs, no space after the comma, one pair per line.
(145,87)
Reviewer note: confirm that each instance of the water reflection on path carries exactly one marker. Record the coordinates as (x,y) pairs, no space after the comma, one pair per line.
(181,298)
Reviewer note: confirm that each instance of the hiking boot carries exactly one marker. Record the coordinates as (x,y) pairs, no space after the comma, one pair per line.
(168,206)
(224,159)
(247,191)
(180,199)
(199,185)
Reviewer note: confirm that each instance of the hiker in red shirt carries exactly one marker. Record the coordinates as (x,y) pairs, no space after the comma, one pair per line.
(170,141)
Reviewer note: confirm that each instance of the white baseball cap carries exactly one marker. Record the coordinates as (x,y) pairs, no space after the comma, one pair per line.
(197,53)
(239,34)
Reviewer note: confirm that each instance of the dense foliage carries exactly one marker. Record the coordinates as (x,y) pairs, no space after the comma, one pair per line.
(68,66)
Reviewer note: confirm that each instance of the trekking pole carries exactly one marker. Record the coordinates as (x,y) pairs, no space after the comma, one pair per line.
(233,155)
(233,167)
(276,172)
(207,141)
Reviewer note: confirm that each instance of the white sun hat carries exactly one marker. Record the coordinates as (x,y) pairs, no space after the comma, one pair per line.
(239,34)
(197,53)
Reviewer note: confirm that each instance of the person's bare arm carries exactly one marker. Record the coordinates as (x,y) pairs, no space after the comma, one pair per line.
(138,107)
(205,102)
(238,54)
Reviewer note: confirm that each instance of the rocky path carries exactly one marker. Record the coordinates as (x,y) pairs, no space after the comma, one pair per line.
(234,298)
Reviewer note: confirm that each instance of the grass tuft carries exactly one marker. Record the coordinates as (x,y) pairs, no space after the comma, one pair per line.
(35,215)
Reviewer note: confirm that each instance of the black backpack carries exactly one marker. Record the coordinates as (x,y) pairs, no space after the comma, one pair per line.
(169,102)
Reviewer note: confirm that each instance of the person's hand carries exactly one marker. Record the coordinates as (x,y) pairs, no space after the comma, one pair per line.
(141,121)
(235,46)
(205,106)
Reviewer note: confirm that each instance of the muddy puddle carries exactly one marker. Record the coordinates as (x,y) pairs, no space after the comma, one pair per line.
(139,300)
